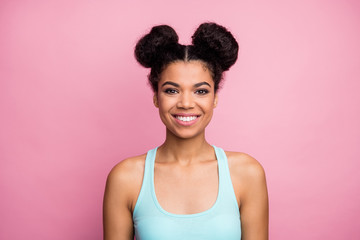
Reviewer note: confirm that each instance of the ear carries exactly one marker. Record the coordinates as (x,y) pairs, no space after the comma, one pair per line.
(215,100)
(155,100)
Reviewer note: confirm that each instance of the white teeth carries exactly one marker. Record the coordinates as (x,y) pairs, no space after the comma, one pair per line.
(186,119)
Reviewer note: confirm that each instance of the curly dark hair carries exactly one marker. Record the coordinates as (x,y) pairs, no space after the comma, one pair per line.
(212,44)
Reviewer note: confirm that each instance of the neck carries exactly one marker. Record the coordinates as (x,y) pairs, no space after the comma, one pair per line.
(185,150)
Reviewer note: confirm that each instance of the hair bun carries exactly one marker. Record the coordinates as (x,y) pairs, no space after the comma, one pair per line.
(152,45)
(215,42)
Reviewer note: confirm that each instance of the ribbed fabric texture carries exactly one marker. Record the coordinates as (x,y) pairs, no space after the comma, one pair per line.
(221,221)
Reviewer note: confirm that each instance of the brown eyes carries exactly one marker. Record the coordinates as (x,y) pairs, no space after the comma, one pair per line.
(202,91)
(170,91)
(173,91)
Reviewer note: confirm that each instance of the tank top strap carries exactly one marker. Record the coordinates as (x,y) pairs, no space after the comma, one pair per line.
(225,183)
(149,163)
(145,191)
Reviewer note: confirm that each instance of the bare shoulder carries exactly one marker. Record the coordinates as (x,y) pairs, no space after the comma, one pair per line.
(244,164)
(122,188)
(125,178)
(246,172)
(248,178)
(127,168)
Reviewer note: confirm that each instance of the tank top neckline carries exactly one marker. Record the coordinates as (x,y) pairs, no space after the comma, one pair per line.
(162,210)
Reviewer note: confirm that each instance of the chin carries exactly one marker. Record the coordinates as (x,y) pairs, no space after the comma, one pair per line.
(185,134)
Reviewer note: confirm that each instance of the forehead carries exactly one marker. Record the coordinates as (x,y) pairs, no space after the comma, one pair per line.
(187,73)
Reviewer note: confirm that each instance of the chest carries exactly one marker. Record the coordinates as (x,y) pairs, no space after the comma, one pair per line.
(186,190)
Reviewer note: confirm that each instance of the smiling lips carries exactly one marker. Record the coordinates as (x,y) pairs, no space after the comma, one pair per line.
(186,119)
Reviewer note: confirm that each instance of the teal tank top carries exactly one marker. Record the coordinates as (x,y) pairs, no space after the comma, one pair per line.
(221,221)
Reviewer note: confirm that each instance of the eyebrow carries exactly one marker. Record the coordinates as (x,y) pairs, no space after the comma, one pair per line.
(177,85)
(170,83)
(202,83)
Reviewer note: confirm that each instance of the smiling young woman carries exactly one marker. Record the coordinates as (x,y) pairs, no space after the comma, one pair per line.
(186,188)
(186,98)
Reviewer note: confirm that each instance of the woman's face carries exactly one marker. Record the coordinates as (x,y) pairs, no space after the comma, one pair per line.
(186,98)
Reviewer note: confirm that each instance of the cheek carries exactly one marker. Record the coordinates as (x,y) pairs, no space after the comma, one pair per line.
(207,104)
(166,104)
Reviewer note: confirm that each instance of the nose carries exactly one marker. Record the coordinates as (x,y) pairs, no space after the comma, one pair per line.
(186,101)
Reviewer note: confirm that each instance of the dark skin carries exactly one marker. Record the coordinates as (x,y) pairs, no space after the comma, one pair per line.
(186,162)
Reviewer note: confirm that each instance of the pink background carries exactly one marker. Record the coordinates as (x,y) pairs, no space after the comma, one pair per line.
(74,102)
